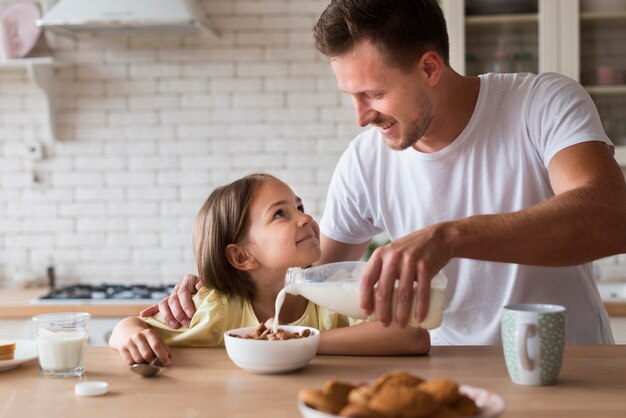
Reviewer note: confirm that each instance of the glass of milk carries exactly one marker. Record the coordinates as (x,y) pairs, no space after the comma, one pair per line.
(61,341)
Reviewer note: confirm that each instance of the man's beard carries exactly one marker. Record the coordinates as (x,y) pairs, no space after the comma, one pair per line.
(416,129)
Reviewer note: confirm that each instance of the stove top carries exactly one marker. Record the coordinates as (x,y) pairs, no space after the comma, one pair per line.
(105,294)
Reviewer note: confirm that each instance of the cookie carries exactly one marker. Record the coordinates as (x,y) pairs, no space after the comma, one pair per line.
(402,401)
(359,411)
(361,395)
(338,389)
(465,406)
(400,378)
(445,391)
(330,399)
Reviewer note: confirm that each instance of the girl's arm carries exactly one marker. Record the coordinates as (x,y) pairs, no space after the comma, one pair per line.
(373,339)
(138,343)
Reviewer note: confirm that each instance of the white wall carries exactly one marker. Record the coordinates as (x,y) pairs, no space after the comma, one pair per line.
(149,126)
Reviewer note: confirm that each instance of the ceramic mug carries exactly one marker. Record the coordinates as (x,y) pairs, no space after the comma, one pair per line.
(533,338)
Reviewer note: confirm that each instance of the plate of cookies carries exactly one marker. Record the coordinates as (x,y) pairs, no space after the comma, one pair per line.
(399,394)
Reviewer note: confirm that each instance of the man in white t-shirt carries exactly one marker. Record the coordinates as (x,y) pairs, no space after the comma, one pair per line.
(505,182)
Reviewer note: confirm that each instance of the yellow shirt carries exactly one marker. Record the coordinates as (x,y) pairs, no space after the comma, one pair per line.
(216,313)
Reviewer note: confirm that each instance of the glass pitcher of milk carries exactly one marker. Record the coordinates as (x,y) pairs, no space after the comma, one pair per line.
(335,286)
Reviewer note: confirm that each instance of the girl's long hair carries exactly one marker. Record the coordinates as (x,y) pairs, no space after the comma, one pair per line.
(223,220)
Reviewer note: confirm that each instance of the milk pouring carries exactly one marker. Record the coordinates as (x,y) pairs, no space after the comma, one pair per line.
(335,286)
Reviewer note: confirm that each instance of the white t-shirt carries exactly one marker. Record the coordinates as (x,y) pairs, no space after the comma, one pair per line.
(498,164)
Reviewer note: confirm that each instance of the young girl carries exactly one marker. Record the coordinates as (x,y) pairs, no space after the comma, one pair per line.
(246,235)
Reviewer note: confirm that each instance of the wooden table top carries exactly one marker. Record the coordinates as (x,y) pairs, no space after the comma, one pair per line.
(203,382)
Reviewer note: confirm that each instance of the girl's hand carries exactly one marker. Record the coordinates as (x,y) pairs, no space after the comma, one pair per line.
(143,347)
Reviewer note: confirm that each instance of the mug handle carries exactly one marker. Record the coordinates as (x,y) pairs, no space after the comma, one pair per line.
(524,331)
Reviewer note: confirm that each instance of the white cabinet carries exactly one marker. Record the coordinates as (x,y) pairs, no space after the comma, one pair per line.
(588,45)
(618,326)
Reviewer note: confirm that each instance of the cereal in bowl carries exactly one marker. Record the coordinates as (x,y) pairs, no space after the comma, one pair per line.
(263,333)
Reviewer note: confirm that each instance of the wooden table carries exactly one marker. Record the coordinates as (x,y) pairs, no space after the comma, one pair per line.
(203,382)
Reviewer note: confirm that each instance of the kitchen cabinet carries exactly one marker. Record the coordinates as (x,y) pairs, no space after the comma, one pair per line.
(618,326)
(584,40)
(41,72)
(602,59)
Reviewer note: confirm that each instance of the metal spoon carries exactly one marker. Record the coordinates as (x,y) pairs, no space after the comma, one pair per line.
(147,369)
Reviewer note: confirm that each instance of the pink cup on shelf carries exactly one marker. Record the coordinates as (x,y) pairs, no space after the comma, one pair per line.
(18,32)
(607,74)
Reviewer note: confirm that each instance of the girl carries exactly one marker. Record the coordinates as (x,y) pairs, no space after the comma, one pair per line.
(246,235)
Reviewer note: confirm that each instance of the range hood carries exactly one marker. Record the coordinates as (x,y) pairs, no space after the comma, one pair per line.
(78,16)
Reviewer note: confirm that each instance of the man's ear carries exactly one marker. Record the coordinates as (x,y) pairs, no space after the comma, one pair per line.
(239,258)
(432,65)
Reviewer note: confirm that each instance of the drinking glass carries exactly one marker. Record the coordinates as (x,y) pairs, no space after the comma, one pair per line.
(61,340)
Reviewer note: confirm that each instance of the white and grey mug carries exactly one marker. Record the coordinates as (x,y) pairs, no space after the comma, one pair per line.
(533,338)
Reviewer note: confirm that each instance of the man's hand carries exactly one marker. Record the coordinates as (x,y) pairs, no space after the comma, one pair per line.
(143,347)
(417,257)
(177,308)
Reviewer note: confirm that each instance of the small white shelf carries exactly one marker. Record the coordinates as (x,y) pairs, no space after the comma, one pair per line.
(41,72)
(504,19)
(606,89)
(600,16)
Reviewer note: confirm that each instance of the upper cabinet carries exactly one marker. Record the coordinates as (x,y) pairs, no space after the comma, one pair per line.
(585,40)
(602,67)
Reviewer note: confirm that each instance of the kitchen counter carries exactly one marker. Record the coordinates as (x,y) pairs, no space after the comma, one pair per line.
(616,309)
(204,382)
(16,305)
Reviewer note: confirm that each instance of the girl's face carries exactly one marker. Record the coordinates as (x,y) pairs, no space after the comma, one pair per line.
(281,234)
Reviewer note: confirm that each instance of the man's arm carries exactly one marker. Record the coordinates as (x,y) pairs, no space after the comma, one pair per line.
(584,221)
(336,251)
(373,339)
(177,308)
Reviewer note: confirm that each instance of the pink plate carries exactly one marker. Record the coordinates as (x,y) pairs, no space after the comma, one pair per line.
(18,32)
(490,404)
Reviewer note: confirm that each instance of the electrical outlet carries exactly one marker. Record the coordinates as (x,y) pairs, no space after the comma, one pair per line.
(34,150)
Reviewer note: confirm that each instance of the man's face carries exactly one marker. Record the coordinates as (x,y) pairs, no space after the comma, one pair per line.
(384,96)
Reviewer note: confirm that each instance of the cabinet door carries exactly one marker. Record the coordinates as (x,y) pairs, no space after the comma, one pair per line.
(501,36)
(582,39)
(602,63)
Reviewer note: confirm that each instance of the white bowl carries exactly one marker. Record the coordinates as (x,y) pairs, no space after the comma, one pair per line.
(267,357)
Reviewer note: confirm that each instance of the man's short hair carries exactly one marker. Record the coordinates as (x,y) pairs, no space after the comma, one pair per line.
(401,30)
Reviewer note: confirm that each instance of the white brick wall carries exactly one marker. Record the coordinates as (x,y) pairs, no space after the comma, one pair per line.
(150,125)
